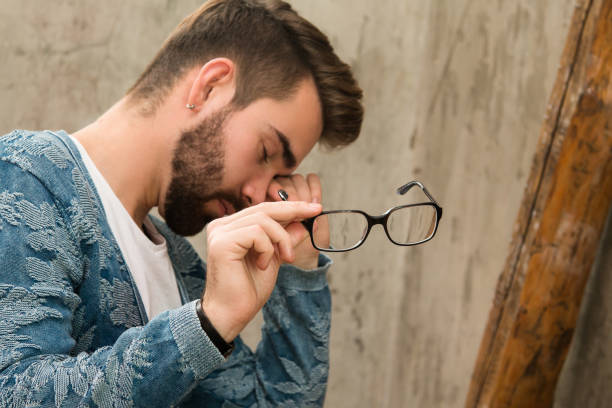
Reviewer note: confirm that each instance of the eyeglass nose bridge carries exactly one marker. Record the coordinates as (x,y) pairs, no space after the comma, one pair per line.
(375,220)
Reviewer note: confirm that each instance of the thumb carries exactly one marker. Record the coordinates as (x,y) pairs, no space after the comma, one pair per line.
(297,232)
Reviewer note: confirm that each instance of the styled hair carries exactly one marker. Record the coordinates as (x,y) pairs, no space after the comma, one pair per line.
(274,49)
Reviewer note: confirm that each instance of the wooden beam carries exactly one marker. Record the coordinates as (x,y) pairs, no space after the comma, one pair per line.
(557,233)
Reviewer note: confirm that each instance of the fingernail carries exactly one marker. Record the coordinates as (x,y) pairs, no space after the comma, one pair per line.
(316,200)
(314,205)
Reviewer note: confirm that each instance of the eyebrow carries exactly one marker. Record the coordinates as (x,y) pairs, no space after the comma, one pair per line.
(288,156)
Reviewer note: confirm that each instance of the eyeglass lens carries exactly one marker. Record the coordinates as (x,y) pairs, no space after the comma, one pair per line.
(346,229)
(409,225)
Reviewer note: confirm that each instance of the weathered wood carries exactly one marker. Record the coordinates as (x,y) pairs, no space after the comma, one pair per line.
(558,228)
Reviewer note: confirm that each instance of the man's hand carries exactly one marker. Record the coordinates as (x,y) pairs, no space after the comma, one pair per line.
(245,251)
(299,188)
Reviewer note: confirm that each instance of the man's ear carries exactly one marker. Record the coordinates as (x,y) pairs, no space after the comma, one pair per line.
(214,86)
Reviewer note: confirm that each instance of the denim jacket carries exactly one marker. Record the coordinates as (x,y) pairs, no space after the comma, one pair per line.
(73,330)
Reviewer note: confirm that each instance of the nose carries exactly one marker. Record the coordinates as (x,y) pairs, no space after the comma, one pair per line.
(255,189)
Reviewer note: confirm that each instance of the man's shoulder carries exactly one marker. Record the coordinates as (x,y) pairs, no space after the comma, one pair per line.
(50,160)
(38,152)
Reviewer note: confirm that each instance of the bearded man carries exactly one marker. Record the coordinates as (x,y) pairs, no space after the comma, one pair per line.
(102,304)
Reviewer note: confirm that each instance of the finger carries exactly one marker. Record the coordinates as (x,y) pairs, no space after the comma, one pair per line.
(287,184)
(297,232)
(273,190)
(280,211)
(301,187)
(314,183)
(262,245)
(275,231)
(238,242)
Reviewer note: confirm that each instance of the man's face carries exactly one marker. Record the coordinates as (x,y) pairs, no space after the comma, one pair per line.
(227,162)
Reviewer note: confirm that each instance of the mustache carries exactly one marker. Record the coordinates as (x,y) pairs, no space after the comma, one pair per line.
(235,200)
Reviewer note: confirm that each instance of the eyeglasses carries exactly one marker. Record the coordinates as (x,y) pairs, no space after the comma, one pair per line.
(405,225)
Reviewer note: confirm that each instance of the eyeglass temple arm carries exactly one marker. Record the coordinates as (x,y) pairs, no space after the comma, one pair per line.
(406,187)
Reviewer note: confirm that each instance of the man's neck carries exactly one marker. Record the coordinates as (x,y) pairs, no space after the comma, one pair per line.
(125,148)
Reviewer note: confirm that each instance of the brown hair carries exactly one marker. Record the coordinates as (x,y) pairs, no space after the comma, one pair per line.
(273,48)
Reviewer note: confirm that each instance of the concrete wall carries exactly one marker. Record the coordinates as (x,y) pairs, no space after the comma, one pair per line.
(455,93)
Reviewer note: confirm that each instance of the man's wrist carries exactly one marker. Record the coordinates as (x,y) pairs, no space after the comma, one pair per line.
(307,265)
(223,346)
(292,277)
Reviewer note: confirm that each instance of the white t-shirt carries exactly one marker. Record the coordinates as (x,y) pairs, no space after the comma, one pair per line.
(147,259)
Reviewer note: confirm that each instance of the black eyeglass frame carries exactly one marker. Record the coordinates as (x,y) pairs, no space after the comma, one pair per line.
(380,219)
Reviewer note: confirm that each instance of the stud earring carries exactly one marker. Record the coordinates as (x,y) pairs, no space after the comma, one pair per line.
(190,106)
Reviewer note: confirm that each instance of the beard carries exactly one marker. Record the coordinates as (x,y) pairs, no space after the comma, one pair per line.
(197,173)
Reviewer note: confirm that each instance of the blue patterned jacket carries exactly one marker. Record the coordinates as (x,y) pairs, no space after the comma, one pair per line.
(73,330)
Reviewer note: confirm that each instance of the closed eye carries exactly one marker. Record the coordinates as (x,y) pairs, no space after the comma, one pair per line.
(265,157)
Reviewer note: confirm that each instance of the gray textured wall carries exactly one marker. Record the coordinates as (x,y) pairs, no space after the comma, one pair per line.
(455,93)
